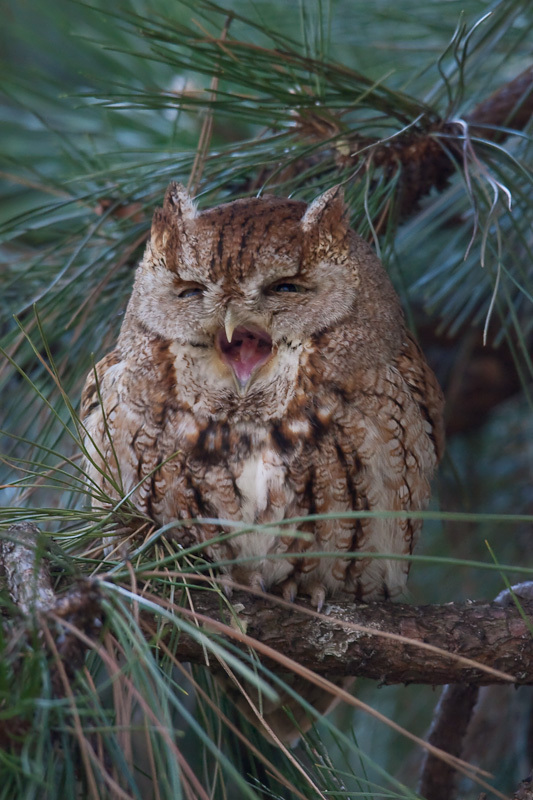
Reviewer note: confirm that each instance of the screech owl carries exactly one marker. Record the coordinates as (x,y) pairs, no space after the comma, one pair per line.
(264,372)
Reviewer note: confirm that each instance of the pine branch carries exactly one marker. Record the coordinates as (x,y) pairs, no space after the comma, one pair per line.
(24,569)
(525,790)
(510,106)
(426,153)
(382,641)
(349,639)
(452,717)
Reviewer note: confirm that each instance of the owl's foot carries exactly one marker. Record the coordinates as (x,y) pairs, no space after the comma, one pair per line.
(318,595)
(289,590)
(256,582)
(227,586)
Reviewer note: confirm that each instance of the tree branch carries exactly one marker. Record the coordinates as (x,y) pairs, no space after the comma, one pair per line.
(388,642)
(334,643)
(417,153)
(24,568)
(438,778)
(452,716)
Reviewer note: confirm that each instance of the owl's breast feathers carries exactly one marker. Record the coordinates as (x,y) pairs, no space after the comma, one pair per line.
(365,440)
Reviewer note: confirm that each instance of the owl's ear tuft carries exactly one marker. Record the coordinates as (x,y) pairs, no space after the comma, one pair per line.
(179,202)
(326,224)
(168,222)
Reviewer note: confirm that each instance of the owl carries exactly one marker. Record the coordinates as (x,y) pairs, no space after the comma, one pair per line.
(264,373)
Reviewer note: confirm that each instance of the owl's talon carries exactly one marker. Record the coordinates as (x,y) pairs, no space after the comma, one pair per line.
(227,586)
(318,596)
(289,590)
(257,582)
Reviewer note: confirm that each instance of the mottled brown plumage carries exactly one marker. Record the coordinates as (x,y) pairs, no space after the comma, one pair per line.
(264,372)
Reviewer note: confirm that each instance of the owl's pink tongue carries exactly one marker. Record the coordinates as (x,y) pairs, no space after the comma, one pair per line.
(248,350)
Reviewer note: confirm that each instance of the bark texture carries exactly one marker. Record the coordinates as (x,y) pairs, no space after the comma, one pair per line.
(452,716)
(387,642)
(347,638)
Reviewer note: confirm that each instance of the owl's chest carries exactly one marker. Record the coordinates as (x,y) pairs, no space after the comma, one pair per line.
(227,471)
(261,484)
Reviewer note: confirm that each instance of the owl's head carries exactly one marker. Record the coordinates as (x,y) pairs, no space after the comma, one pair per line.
(247,286)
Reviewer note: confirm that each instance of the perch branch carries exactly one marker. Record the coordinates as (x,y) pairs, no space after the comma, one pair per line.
(525,790)
(438,778)
(349,639)
(388,642)
(25,573)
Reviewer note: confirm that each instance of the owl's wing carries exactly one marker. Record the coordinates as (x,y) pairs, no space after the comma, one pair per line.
(100,421)
(94,383)
(425,389)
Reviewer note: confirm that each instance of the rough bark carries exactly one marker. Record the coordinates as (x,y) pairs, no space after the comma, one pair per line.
(391,643)
(452,717)
(451,721)
(349,639)
(525,790)
(24,568)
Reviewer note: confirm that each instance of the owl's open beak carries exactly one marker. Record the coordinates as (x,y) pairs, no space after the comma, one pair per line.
(230,323)
(244,348)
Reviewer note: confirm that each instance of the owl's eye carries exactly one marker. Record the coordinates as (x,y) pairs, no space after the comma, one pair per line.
(284,286)
(191,291)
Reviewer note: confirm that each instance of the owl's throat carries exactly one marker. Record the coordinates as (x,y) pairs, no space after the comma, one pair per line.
(249,349)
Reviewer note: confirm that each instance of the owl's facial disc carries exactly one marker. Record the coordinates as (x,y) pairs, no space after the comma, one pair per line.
(246,353)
